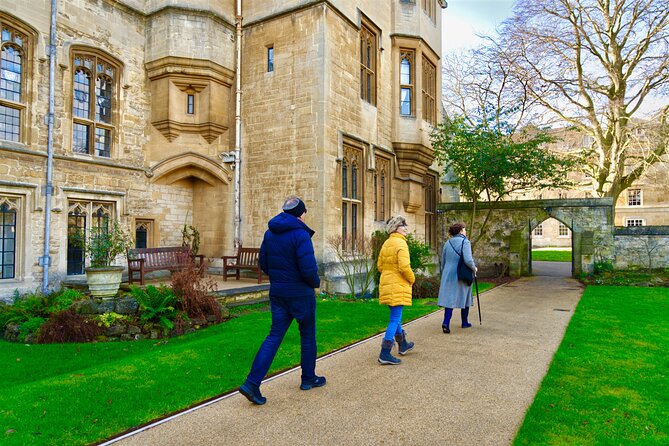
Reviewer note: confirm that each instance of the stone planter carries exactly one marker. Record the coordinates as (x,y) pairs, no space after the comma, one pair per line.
(104,282)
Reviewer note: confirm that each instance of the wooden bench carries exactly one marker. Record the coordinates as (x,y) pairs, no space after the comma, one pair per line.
(246,259)
(143,260)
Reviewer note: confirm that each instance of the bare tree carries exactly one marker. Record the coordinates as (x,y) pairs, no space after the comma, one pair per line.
(596,64)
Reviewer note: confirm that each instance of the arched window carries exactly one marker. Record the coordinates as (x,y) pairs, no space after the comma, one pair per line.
(352,202)
(406,82)
(8,247)
(368,55)
(14,52)
(94,89)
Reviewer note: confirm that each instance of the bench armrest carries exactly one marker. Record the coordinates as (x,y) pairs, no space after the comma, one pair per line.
(226,258)
(140,261)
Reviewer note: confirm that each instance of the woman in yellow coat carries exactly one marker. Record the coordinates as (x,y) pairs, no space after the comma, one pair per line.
(395,287)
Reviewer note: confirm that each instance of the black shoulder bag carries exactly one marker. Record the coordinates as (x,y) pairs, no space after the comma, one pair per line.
(464,272)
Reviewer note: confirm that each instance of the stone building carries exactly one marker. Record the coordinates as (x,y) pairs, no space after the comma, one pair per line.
(338,101)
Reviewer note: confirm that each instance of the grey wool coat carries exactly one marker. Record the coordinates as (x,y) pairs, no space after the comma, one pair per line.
(452,292)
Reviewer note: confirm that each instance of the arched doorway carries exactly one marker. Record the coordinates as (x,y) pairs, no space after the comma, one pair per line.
(551,249)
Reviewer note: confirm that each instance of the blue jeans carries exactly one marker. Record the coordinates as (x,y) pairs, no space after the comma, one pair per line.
(395,324)
(284,310)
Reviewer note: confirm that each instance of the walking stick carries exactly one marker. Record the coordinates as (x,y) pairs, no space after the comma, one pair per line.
(478,299)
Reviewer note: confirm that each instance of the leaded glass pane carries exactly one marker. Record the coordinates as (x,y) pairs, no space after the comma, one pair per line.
(10,74)
(344,180)
(7,241)
(103,100)
(354,181)
(405,72)
(103,142)
(80,138)
(405,101)
(10,123)
(76,230)
(81,100)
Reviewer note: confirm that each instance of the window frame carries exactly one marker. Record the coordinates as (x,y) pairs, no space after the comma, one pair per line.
(408,54)
(270,58)
(352,195)
(111,71)
(150,226)
(429,90)
(27,38)
(538,230)
(92,212)
(382,188)
(561,227)
(430,9)
(634,220)
(636,200)
(13,204)
(430,208)
(368,43)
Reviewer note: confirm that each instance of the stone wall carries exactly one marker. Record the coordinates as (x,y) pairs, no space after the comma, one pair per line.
(642,247)
(505,244)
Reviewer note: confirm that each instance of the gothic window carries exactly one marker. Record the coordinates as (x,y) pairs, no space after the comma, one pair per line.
(14,47)
(93,104)
(429,88)
(430,210)
(143,233)
(368,50)
(634,197)
(381,189)
(8,218)
(406,82)
(84,218)
(352,196)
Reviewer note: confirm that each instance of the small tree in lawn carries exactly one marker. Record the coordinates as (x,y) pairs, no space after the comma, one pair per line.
(491,161)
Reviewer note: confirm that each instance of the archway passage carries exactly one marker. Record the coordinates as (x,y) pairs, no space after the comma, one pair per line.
(506,244)
(551,249)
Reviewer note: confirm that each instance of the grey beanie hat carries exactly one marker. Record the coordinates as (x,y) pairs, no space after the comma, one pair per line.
(395,222)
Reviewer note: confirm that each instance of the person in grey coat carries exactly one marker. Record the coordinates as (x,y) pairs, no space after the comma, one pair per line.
(454,293)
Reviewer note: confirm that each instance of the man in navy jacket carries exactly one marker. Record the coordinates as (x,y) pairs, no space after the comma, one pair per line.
(287,256)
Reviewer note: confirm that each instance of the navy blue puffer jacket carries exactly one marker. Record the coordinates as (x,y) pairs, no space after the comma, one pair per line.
(287,256)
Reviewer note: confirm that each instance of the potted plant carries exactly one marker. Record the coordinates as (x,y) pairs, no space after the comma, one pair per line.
(104,245)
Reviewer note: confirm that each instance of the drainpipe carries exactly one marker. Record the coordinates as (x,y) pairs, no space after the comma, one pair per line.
(238,122)
(45,260)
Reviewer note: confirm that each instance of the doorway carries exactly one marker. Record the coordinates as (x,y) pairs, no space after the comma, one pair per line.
(551,245)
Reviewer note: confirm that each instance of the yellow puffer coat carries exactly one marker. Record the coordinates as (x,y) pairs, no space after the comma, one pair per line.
(396,274)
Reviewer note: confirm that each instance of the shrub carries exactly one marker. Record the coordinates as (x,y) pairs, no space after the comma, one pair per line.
(63,299)
(156,304)
(108,319)
(30,326)
(426,287)
(419,252)
(602,266)
(68,326)
(194,294)
(357,264)
(37,305)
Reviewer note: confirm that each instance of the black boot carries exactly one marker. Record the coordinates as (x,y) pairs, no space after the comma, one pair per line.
(252,393)
(445,326)
(465,314)
(403,346)
(385,357)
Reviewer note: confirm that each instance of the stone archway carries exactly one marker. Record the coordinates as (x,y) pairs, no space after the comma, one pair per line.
(195,189)
(506,242)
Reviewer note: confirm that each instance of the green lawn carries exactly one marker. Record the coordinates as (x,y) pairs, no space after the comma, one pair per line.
(81,393)
(551,255)
(609,380)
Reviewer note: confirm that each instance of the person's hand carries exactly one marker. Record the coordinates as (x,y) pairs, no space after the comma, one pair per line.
(475,271)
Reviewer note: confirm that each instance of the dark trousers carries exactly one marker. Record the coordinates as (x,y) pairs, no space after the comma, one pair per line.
(284,310)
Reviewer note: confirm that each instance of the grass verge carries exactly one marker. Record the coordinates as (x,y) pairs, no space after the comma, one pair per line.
(551,256)
(82,393)
(608,382)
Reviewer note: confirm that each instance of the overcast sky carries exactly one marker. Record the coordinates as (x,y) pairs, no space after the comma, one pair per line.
(464,18)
